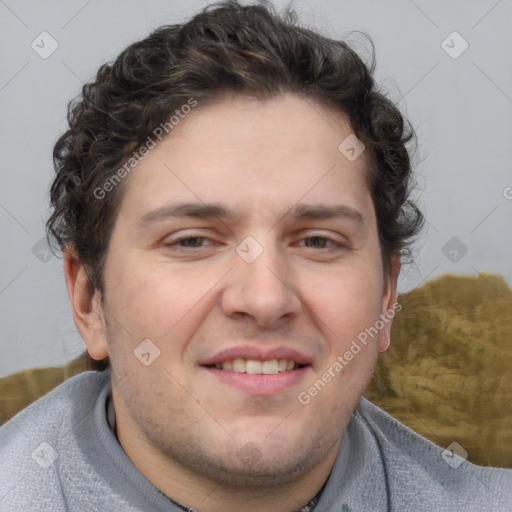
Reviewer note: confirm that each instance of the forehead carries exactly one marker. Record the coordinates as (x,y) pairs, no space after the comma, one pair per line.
(257,155)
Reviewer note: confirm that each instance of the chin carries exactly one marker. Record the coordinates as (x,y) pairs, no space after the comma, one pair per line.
(263,472)
(256,464)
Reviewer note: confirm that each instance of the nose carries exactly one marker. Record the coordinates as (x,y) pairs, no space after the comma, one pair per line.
(262,290)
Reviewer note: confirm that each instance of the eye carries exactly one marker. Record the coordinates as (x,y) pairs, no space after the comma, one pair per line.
(188,242)
(321,242)
(195,241)
(318,242)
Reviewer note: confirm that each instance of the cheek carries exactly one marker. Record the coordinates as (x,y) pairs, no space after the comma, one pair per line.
(348,317)
(350,300)
(148,296)
(156,301)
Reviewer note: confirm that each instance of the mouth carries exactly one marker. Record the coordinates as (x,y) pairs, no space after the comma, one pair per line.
(259,376)
(256,367)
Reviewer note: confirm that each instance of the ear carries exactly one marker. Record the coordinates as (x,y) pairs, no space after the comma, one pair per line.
(389,301)
(86,306)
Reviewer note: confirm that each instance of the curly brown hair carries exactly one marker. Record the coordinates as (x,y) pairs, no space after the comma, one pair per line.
(227,47)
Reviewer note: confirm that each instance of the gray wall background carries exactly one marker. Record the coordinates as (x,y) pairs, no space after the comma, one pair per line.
(459,102)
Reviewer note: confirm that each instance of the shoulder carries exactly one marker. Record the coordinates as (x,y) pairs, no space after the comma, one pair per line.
(418,469)
(30,442)
(50,412)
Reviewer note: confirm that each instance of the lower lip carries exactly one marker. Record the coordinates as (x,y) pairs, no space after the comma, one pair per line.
(261,384)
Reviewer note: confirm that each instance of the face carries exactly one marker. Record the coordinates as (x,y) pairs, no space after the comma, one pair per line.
(246,251)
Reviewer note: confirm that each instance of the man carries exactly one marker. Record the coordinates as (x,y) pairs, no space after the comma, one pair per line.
(231,200)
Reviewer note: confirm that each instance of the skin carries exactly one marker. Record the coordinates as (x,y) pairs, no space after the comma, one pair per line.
(181,427)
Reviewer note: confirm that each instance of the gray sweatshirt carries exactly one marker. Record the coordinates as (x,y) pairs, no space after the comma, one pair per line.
(61,454)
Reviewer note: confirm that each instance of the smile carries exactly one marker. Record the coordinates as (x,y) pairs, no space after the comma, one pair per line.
(255,367)
(259,377)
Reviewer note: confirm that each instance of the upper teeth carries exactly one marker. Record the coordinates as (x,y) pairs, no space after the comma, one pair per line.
(254,367)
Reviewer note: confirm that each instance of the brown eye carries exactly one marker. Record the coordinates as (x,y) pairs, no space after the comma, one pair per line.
(188,242)
(318,242)
(194,239)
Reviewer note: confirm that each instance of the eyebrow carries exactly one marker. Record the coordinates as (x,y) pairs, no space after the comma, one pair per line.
(223,212)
